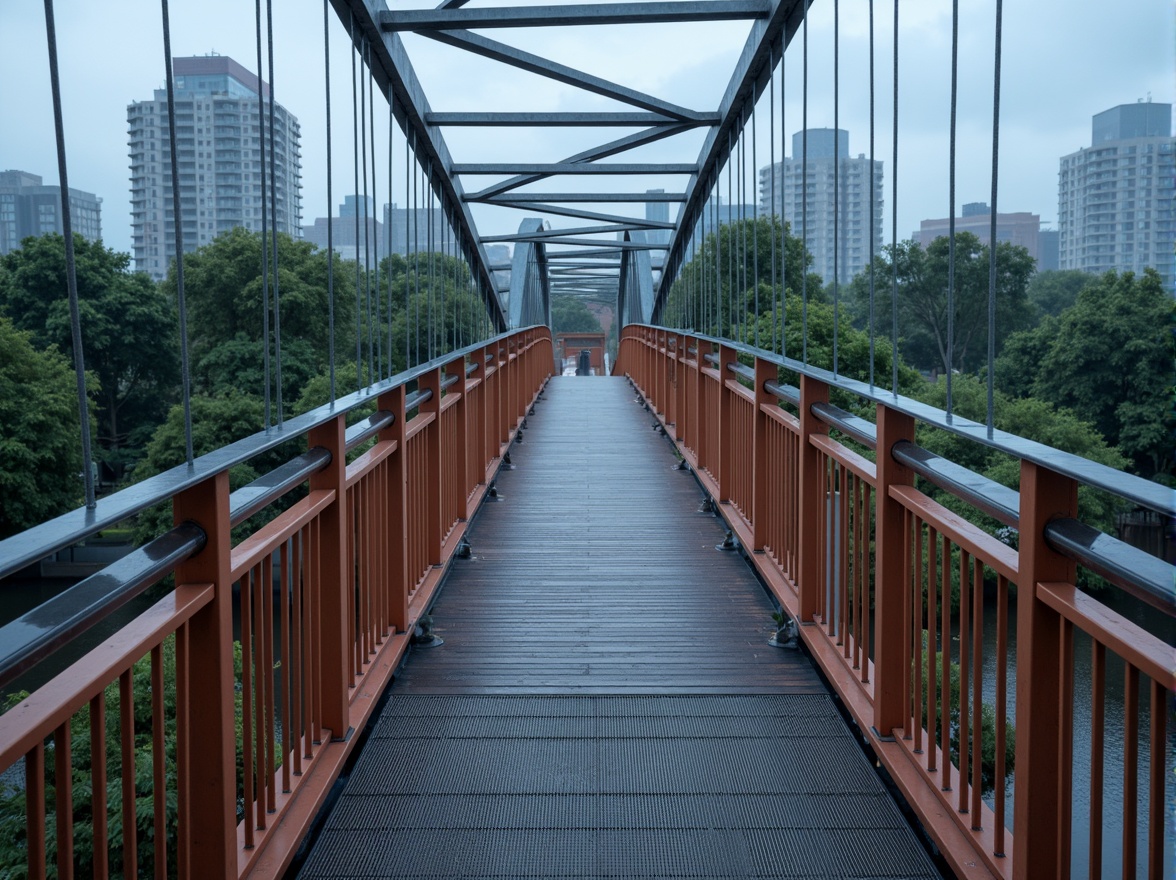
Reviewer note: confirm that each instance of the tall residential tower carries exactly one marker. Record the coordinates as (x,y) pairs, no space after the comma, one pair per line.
(218,141)
(835,182)
(1116,197)
(28,208)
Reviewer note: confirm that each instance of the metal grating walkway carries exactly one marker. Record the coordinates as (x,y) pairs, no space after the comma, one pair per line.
(605,703)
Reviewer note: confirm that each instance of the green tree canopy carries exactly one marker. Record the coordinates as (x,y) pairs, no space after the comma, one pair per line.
(1054,291)
(922,299)
(40,445)
(1109,358)
(569,314)
(128,333)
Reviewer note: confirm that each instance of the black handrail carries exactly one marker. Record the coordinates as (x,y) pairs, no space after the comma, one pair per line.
(368,428)
(1134,571)
(1000,502)
(421,395)
(448,380)
(742,370)
(36,634)
(268,488)
(787,393)
(847,423)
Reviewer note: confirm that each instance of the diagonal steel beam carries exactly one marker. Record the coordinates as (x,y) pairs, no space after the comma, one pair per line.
(537,64)
(565,211)
(603,151)
(621,119)
(573,14)
(548,169)
(557,233)
(615,244)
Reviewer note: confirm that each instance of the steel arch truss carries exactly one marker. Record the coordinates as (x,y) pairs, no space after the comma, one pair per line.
(603,249)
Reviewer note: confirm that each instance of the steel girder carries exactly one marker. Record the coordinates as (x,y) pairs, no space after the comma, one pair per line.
(529,302)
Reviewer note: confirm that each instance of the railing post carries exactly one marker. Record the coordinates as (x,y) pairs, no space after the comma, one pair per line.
(765,371)
(1041,819)
(811,504)
(484,414)
(891,618)
(397,526)
(727,426)
(337,578)
(431,381)
(679,362)
(462,439)
(211,771)
(702,417)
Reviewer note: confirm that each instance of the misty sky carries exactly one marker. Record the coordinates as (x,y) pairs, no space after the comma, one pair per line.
(1064,60)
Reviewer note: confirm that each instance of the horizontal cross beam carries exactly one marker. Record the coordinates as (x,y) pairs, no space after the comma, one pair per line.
(574,14)
(515,198)
(549,168)
(567,119)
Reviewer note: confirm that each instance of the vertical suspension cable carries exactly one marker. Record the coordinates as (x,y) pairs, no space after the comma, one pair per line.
(755,229)
(772,173)
(265,300)
(181,303)
(804,190)
(269,15)
(375,345)
(730,246)
(367,145)
(330,206)
(837,218)
(429,244)
(992,221)
(71,275)
(407,298)
(355,181)
(783,222)
(416,247)
(894,222)
(871,196)
(741,276)
(388,225)
(951,235)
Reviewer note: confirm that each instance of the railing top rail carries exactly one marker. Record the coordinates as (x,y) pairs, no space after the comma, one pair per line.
(1132,488)
(40,541)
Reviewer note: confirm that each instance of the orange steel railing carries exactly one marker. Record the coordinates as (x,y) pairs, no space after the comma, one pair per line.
(329,593)
(868,563)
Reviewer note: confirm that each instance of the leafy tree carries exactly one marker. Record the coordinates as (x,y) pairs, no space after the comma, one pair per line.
(223,290)
(922,299)
(728,282)
(1055,290)
(128,333)
(40,449)
(569,314)
(1109,358)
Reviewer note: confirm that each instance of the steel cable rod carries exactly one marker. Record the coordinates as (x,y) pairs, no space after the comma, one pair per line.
(355,178)
(772,173)
(388,228)
(755,231)
(364,137)
(951,233)
(181,301)
(804,186)
(265,303)
(783,222)
(894,222)
(992,219)
(273,171)
(836,173)
(330,222)
(871,196)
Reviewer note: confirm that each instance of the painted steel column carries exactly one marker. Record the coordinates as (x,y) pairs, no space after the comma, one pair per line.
(1039,814)
(727,426)
(890,592)
(337,584)
(811,504)
(431,381)
(762,492)
(211,771)
(397,526)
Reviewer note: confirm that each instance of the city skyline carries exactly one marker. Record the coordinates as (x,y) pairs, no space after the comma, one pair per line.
(1134,48)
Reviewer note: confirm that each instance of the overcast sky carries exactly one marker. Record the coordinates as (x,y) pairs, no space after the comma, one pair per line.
(1064,60)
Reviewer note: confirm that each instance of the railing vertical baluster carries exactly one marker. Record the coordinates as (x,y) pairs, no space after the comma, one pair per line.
(35,811)
(1039,826)
(724,473)
(337,582)
(158,769)
(208,769)
(762,486)
(461,457)
(811,487)
(1156,803)
(431,436)
(396,531)
(98,771)
(63,796)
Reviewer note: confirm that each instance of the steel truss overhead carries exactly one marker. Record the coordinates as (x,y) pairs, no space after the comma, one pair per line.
(570,256)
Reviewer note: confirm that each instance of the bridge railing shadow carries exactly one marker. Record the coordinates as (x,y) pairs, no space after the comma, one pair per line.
(219,749)
(894,591)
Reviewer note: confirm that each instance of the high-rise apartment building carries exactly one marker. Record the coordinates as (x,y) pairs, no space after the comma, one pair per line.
(348,236)
(1116,197)
(830,207)
(407,230)
(28,208)
(218,142)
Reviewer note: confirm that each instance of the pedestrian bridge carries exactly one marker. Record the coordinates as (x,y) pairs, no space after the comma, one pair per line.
(495,622)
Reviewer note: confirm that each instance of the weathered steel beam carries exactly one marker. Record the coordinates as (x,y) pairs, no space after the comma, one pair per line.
(574,14)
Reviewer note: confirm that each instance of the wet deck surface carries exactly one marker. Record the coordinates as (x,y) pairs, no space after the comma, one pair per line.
(606,703)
